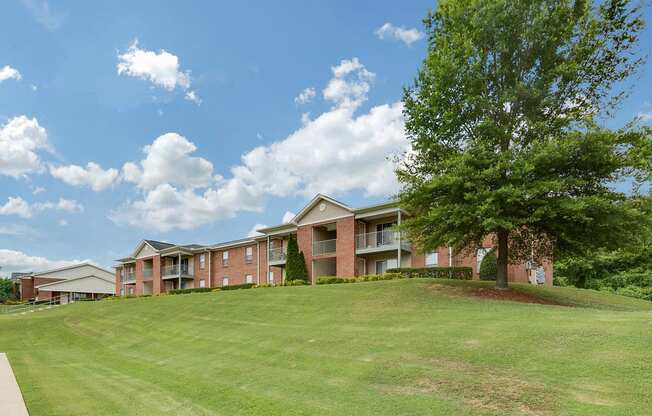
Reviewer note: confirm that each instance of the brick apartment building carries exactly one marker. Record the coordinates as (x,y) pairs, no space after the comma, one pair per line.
(337,240)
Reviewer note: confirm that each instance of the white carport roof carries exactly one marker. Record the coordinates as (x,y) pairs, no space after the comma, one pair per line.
(83,284)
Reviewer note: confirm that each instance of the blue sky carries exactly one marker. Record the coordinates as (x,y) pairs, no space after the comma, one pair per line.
(88,82)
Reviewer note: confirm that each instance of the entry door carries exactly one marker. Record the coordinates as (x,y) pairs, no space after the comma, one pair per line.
(270,278)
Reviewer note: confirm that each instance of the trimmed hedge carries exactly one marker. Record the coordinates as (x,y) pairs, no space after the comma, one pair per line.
(459,273)
(186,291)
(236,287)
(331,280)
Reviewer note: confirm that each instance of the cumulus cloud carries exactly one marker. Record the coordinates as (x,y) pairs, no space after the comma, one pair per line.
(17,261)
(160,68)
(21,141)
(93,176)
(407,36)
(18,206)
(8,72)
(350,84)
(336,152)
(253,232)
(305,96)
(288,216)
(644,116)
(168,160)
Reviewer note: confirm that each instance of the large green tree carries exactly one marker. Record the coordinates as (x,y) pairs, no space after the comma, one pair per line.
(503,120)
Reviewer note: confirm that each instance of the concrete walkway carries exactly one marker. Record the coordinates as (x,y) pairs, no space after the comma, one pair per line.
(11,399)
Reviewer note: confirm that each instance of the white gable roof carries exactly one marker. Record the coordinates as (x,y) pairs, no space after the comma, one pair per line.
(314,202)
(83,284)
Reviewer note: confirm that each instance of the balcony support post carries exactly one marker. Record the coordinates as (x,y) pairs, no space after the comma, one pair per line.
(179,270)
(399,238)
(269,268)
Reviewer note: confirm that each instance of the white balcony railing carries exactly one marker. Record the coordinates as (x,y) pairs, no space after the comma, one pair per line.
(147,273)
(129,277)
(379,239)
(276,254)
(324,247)
(186,270)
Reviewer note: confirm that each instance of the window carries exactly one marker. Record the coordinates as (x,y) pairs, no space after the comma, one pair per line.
(225,258)
(480,255)
(202,283)
(249,279)
(202,261)
(432,259)
(249,254)
(270,278)
(225,281)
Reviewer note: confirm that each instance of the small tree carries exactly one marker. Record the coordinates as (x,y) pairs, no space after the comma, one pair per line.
(303,270)
(292,259)
(488,266)
(6,289)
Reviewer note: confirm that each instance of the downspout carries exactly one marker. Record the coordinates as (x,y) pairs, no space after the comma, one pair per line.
(399,240)
(258,263)
(269,268)
(179,270)
(210,278)
(450,256)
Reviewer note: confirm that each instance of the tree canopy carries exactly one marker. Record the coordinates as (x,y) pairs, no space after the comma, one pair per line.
(503,121)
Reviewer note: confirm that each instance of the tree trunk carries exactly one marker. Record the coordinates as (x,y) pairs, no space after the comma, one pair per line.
(501,260)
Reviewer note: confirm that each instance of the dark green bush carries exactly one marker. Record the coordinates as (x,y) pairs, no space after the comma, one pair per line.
(460,273)
(489,266)
(236,287)
(186,291)
(295,283)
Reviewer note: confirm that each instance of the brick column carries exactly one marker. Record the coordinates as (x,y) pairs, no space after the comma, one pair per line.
(157,283)
(118,280)
(304,241)
(346,247)
(139,277)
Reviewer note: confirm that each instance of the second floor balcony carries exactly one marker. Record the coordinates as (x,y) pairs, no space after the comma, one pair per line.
(380,241)
(323,247)
(277,256)
(175,271)
(128,277)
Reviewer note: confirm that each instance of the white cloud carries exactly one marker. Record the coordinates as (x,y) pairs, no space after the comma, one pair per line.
(335,153)
(62,222)
(350,84)
(44,14)
(162,69)
(8,72)
(644,116)
(288,216)
(168,160)
(21,138)
(305,96)
(18,230)
(38,190)
(17,261)
(18,206)
(93,176)
(407,36)
(253,232)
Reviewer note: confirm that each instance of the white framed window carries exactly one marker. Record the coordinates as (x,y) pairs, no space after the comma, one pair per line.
(225,258)
(225,281)
(432,259)
(249,279)
(202,261)
(249,254)
(202,283)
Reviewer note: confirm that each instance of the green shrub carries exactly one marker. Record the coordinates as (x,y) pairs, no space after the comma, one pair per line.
(186,291)
(295,283)
(489,266)
(460,273)
(236,287)
(329,280)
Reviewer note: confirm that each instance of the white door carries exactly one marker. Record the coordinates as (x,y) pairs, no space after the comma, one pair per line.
(271,278)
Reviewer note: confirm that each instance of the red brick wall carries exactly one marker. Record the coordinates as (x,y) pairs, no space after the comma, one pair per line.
(157,283)
(41,281)
(346,247)
(237,268)
(304,241)
(199,272)
(139,276)
(26,288)
(118,281)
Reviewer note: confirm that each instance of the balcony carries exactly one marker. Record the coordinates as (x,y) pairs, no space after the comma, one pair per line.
(173,271)
(380,241)
(129,277)
(276,256)
(323,247)
(148,273)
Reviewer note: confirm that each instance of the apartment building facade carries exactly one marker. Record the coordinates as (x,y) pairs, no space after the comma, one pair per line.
(336,239)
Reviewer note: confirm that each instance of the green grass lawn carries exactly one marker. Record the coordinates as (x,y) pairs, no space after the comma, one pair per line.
(417,347)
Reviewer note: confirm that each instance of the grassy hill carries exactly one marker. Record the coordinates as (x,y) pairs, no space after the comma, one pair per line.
(382,348)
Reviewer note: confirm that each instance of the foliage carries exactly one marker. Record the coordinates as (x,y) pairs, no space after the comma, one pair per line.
(488,266)
(193,290)
(237,287)
(502,120)
(462,273)
(295,283)
(330,280)
(295,262)
(7,290)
